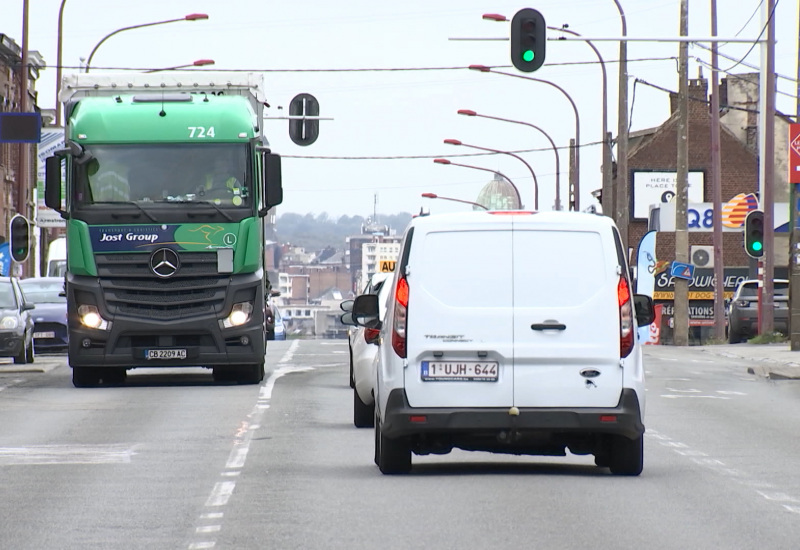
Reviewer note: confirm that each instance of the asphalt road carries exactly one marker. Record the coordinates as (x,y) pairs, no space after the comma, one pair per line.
(173,460)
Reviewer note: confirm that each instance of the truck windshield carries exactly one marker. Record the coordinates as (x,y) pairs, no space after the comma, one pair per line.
(124,173)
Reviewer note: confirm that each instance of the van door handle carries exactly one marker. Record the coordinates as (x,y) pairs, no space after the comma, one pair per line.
(549,325)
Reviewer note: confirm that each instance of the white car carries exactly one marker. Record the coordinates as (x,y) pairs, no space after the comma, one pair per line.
(510,332)
(363,349)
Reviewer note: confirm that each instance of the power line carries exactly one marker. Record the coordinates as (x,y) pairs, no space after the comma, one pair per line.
(763,29)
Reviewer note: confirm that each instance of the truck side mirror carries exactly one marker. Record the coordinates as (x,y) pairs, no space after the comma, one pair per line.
(273,186)
(52,189)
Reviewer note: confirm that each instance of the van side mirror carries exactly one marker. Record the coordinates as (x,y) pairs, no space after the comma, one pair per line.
(645,312)
(366,312)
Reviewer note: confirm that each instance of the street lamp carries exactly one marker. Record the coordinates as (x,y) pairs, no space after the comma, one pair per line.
(198,63)
(435,196)
(469,112)
(516,191)
(533,174)
(190,17)
(574,192)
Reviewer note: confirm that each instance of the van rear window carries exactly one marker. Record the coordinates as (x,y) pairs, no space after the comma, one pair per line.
(562,268)
(465,268)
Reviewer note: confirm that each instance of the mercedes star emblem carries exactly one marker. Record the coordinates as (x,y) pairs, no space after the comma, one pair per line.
(165,262)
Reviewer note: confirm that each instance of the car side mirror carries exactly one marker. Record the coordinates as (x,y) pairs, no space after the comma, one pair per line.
(27,306)
(365,311)
(347,305)
(645,312)
(347,319)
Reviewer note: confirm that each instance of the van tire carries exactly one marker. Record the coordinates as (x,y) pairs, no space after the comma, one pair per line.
(627,456)
(250,374)
(86,377)
(394,455)
(363,415)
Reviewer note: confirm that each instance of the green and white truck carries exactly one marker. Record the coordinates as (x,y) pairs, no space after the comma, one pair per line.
(165,267)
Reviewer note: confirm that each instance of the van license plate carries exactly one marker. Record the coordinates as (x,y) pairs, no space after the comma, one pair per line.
(460,371)
(165,354)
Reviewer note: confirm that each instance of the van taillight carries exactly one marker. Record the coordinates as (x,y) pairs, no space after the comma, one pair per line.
(626,332)
(399,320)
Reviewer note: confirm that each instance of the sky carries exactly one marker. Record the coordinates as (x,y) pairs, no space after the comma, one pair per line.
(376,153)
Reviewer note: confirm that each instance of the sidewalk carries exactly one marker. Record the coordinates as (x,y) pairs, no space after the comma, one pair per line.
(774,361)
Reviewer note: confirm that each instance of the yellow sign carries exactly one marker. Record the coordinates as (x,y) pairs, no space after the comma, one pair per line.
(387,266)
(704,295)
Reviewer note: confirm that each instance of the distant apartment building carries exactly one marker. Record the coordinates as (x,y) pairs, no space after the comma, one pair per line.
(378,256)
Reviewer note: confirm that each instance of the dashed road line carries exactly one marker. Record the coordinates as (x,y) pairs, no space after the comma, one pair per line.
(209,523)
(762,488)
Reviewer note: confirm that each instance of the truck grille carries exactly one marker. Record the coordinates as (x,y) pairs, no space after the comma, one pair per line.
(132,289)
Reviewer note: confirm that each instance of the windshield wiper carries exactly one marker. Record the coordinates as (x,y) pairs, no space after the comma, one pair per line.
(209,203)
(136,204)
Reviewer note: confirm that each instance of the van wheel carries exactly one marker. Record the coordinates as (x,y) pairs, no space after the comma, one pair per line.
(394,455)
(627,456)
(363,415)
(223,374)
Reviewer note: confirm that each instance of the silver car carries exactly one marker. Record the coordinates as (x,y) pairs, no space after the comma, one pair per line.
(743,310)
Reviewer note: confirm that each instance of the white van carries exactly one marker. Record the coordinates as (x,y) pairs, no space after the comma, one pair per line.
(510,332)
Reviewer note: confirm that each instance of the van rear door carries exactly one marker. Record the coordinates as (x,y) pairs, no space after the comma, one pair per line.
(566,316)
(460,349)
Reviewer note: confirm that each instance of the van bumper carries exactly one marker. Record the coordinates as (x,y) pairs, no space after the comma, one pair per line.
(625,419)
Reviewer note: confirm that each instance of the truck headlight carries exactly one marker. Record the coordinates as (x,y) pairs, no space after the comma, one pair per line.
(240,314)
(90,317)
(9,323)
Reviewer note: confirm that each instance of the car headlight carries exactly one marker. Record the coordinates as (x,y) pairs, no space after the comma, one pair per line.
(240,314)
(90,317)
(9,323)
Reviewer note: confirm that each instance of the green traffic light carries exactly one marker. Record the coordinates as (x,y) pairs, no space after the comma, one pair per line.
(757,246)
(528,55)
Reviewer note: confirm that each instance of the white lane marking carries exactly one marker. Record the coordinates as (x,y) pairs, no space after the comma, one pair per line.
(683,391)
(673,396)
(719,467)
(723,392)
(221,493)
(12,383)
(223,490)
(66,454)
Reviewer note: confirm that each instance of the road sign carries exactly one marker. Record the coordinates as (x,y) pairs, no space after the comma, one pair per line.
(794,153)
(681,270)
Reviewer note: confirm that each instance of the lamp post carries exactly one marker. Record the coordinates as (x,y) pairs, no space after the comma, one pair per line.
(198,63)
(574,192)
(190,17)
(533,174)
(435,196)
(469,112)
(516,191)
(59,59)
(604,138)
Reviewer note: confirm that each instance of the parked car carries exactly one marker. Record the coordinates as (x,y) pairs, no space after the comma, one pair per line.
(510,332)
(16,323)
(363,349)
(50,318)
(279,327)
(743,310)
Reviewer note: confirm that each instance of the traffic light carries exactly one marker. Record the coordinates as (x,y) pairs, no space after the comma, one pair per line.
(754,233)
(528,40)
(19,238)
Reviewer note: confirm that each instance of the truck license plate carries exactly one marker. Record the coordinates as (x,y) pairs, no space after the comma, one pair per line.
(460,371)
(165,354)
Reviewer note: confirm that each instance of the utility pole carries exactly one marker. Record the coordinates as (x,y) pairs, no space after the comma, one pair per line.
(716,188)
(622,197)
(23,172)
(767,168)
(681,297)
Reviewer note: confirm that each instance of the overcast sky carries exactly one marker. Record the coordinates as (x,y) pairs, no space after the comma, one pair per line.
(403,116)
